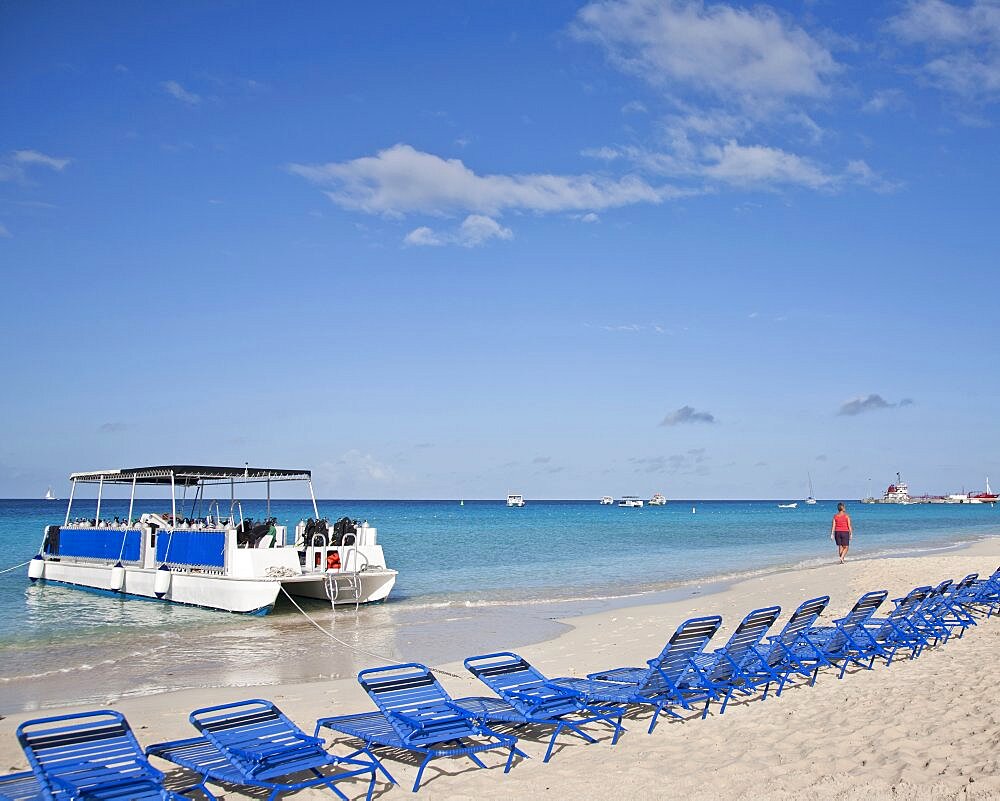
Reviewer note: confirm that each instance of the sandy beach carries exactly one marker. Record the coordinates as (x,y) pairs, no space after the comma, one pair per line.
(926,728)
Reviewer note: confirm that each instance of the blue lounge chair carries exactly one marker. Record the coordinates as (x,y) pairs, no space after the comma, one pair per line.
(771,661)
(901,628)
(972,596)
(720,673)
(416,714)
(251,743)
(86,755)
(526,697)
(20,787)
(660,684)
(935,616)
(846,642)
(986,593)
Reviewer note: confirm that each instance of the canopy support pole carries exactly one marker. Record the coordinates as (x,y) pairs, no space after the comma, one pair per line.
(69,506)
(313,496)
(131,501)
(100,492)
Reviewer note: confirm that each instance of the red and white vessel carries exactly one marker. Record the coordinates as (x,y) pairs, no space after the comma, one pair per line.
(984,497)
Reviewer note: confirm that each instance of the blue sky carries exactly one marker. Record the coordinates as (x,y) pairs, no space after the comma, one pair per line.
(562,249)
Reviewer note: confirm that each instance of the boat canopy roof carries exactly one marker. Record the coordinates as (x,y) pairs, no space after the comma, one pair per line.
(190,475)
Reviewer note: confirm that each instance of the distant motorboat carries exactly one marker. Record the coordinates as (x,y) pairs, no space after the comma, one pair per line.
(630,500)
(788,505)
(607,500)
(515,500)
(461,503)
(49,495)
(657,500)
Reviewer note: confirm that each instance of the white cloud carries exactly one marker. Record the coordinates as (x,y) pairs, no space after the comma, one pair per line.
(34,157)
(938,23)
(475,230)
(962,44)
(402,180)
(860,173)
(744,166)
(354,470)
(4,233)
(590,217)
(884,100)
(869,403)
(178,92)
(634,107)
(756,165)
(750,55)
(15,165)
(686,415)
(422,236)
(734,78)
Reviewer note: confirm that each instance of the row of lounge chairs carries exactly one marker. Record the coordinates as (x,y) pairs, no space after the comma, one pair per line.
(95,755)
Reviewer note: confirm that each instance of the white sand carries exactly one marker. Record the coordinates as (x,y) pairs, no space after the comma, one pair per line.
(924,729)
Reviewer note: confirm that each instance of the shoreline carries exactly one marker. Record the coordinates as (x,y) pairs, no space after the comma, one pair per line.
(433,633)
(629,635)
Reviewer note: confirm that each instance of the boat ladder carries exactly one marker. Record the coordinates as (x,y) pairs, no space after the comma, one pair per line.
(345,586)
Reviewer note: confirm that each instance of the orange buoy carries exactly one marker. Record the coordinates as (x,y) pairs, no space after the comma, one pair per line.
(333,561)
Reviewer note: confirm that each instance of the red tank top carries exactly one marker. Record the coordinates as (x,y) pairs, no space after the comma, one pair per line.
(841,522)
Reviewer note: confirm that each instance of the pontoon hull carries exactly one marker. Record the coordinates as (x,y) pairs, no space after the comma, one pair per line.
(211,591)
(375,586)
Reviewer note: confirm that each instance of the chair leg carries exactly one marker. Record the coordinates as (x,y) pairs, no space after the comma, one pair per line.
(552,742)
(619,729)
(729,694)
(416,782)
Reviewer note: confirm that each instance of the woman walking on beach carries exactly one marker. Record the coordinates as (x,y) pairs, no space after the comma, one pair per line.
(841,531)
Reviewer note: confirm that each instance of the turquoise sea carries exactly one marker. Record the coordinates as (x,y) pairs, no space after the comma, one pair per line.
(472,577)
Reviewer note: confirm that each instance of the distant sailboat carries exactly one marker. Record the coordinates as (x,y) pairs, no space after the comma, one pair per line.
(810,500)
(49,495)
(461,503)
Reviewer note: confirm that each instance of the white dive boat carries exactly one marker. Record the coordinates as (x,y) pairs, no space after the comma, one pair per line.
(657,500)
(515,500)
(630,500)
(607,500)
(788,505)
(218,561)
(810,500)
(49,495)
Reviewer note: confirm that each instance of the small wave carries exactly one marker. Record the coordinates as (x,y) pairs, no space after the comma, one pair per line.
(83,666)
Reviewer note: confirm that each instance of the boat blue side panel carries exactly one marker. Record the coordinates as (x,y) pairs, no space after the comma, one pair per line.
(100,543)
(201,548)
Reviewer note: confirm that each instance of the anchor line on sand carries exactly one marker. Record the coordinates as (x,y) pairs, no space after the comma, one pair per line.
(354,647)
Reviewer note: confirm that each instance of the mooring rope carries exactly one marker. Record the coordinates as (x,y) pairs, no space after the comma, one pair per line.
(360,650)
(15,567)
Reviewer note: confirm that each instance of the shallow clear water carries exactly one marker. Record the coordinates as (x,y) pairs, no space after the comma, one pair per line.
(472,576)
